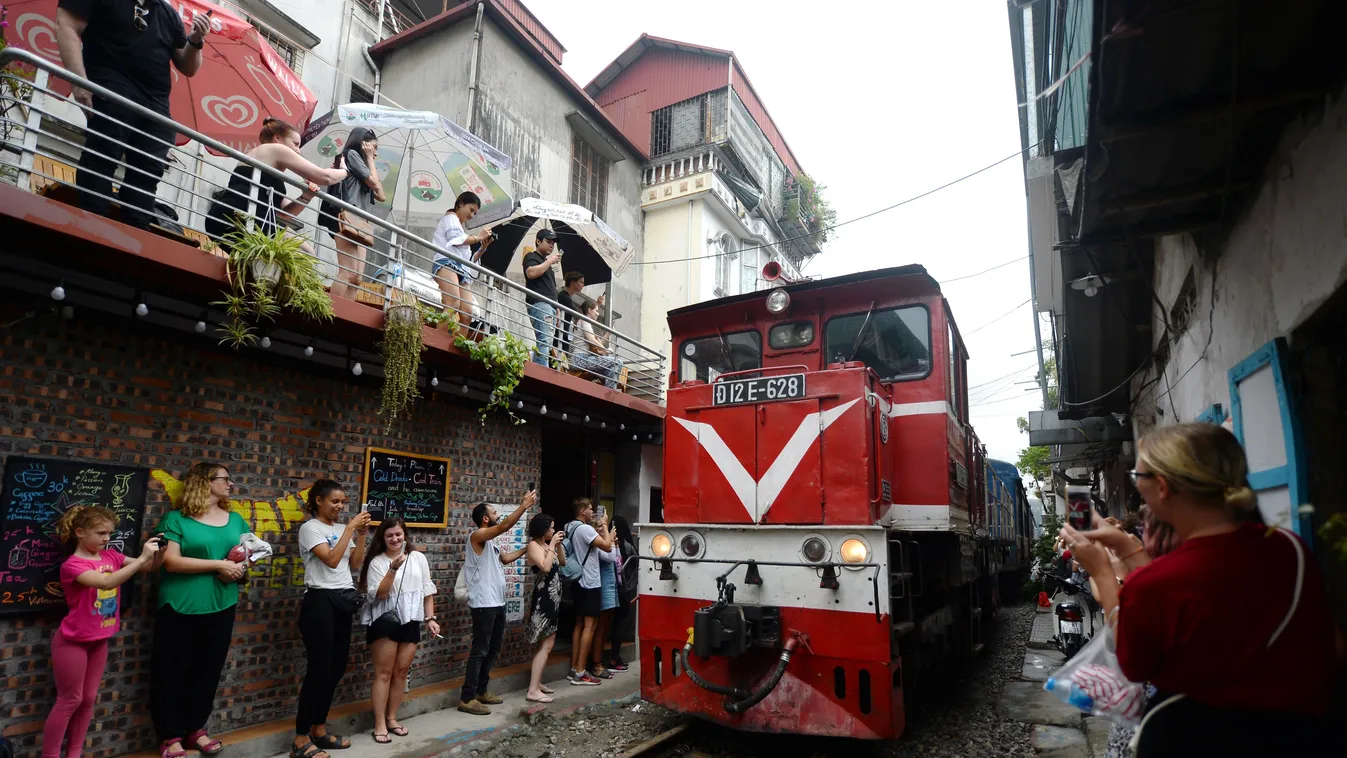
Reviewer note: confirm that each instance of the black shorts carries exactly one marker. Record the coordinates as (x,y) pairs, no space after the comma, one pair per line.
(587,601)
(386,627)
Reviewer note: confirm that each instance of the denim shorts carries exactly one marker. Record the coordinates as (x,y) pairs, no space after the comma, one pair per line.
(453,264)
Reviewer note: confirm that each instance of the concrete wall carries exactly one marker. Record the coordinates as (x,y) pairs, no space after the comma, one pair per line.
(1281,261)
(675,232)
(652,475)
(522,110)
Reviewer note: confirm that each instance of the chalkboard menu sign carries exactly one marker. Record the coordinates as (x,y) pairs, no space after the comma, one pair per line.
(36,493)
(415,487)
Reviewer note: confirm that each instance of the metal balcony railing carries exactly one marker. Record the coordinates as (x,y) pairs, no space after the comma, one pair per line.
(36,148)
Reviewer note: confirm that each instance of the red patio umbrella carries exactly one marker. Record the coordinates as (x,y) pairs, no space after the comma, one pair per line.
(241,81)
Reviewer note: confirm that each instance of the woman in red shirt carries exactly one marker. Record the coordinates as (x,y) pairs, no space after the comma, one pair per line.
(1232,627)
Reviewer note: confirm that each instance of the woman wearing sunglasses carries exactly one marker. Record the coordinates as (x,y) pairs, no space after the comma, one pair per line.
(193,626)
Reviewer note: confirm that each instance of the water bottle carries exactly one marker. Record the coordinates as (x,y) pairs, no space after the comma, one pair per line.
(1075,697)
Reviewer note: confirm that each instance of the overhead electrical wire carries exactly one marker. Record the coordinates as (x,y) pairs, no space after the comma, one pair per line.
(998,318)
(885,209)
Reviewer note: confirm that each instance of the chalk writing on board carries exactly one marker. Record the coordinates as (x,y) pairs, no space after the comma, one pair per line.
(34,495)
(414,487)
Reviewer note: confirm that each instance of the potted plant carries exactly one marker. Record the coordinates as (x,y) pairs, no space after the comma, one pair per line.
(505,356)
(402,347)
(268,272)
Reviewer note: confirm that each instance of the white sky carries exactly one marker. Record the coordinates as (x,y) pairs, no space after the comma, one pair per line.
(880,101)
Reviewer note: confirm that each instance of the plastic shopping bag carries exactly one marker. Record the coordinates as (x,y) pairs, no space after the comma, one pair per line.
(1093,682)
(251,549)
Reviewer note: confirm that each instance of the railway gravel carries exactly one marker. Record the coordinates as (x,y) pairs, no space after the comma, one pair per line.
(962,723)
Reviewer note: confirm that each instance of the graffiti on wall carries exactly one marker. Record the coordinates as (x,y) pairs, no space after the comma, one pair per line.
(274,522)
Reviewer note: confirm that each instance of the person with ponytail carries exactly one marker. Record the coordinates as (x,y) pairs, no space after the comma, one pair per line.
(326,613)
(92,578)
(399,596)
(194,624)
(1232,627)
(279,149)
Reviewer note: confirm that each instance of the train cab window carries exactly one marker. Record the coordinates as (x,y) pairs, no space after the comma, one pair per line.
(706,358)
(791,336)
(895,342)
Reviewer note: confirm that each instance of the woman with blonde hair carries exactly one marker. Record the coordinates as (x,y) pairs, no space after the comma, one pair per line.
(198,590)
(1232,627)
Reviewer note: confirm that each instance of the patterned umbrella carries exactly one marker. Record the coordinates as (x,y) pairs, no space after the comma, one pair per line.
(241,81)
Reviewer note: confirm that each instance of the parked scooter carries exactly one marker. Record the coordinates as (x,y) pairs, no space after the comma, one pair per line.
(1071,636)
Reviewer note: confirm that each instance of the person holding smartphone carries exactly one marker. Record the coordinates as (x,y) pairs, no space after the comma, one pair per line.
(542,283)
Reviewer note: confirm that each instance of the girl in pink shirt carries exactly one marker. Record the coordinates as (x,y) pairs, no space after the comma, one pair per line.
(91,577)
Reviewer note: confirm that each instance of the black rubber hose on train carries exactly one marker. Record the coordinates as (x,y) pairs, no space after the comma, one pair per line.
(742,704)
(700,682)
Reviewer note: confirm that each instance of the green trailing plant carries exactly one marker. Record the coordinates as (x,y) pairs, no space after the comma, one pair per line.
(505,357)
(816,209)
(1334,534)
(434,318)
(402,347)
(251,300)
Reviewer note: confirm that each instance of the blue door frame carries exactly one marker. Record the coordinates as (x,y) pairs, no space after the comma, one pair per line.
(1292,475)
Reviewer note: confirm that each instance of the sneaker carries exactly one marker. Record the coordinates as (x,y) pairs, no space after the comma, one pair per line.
(605,674)
(585,680)
(570,676)
(474,707)
(486,699)
(618,665)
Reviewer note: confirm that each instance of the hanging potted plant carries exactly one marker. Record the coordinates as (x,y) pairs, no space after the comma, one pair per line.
(402,347)
(505,356)
(268,272)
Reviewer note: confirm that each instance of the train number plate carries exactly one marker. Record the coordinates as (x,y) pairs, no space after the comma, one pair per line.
(763,390)
(1071,627)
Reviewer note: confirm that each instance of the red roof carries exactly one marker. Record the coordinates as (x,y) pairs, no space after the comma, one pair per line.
(658,72)
(528,37)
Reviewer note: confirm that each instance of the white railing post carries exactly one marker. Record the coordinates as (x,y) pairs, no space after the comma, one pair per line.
(36,103)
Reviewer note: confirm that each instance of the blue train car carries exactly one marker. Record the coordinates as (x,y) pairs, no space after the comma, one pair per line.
(1014,530)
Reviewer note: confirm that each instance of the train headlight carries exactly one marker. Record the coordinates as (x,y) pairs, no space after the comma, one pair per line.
(814,549)
(854,551)
(778,301)
(692,545)
(661,545)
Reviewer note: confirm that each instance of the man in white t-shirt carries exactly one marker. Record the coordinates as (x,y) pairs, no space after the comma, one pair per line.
(586,544)
(484,566)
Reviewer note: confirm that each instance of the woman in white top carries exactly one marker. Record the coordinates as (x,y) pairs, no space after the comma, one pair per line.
(593,354)
(326,613)
(451,234)
(399,595)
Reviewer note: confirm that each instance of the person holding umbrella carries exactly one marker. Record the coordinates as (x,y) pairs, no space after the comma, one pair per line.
(125,46)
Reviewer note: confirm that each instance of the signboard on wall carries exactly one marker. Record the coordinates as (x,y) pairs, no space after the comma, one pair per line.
(35,494)
(415,487)
(517,573)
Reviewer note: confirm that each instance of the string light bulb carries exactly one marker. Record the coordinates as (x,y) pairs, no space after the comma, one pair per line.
(58,292)
(357,369)
(142,309)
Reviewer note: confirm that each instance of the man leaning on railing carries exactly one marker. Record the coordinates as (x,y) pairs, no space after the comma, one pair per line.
(125,46)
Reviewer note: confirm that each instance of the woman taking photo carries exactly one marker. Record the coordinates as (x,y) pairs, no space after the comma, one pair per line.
(362,189)
(544,560)
(608,600)
(1232,628)
(326,612)
(399,596)
(628,572)
(449,271)
(198,590)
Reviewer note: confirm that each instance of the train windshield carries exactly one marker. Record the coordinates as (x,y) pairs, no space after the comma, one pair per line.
(706,358)
(895,342)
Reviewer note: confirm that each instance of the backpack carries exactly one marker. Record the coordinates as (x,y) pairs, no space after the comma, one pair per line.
(573,570)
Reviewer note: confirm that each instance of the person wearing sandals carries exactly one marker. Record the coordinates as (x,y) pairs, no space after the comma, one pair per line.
(608,602)
(399,596)
(194,624)
(544,560)
(326,613)
(484,572)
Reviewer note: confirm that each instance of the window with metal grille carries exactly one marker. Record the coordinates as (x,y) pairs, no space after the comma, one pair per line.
(292,54)
(589,177)
(360,93)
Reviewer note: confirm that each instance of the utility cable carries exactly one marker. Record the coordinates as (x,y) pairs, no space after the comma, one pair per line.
(998,318)
(885,209)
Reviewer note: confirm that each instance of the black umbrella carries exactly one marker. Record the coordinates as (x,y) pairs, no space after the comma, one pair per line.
(588,245)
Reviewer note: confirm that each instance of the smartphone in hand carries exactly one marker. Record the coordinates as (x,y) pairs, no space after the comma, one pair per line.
(1079,508)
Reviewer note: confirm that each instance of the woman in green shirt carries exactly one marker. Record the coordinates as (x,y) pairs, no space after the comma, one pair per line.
(198,589)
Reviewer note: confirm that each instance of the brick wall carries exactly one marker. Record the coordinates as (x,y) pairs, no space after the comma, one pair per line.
(107,392)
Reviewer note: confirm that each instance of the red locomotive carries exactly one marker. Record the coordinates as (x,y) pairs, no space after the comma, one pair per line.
(834,534)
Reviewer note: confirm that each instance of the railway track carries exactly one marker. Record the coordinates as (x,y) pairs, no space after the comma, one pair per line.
(671,743)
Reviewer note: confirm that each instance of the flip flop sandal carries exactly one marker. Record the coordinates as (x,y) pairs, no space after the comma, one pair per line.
(543,699)
(547,690)
(331,741)
(400,730)
(164,752)
(213,747)
(382,739)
